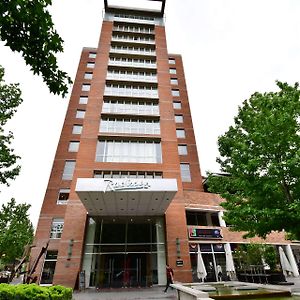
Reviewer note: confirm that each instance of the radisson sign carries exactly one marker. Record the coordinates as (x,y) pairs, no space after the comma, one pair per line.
(125,185)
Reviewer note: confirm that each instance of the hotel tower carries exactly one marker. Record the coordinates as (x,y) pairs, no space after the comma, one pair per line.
(125,194)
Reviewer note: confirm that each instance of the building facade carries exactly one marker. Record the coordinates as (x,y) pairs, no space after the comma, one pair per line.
(125,194)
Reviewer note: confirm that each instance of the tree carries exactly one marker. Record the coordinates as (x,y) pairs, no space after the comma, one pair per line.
(16,230)
(27,27)
(261,154)
(10,99)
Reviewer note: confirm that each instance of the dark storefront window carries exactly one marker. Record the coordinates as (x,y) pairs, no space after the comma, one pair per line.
(49,267)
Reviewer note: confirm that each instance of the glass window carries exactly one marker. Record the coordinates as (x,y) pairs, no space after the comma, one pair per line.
(83,100)
(180,133)
(86,87)
(63,196)
(128,151)
(215,219)
(182,149)
(49,267)
(56,228)
(175,93)
(174,81)
(179,118)
(77,129)
(88,75)
(69,170)
(172,61)
(80,114)
(172,71)
(197,218)
(92,55)
(73,146)
(185,172)
(90,65)
(176,105)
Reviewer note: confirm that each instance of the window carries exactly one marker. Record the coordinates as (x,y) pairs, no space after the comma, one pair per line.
(172,61)
(174,81)
(182,149)
(172,71)
(139,126)
(77,129)
(80,114)
(196,218)
(86,87)
(56,228)
(49,267)
(185,173)
(178,118)
(175,93)
(127,174)
(92,55)
(63,196)
(88,75)
(73,146)
(180,133)
(128,151)
(90,65)
(83,100)
(68,170)
(177,105)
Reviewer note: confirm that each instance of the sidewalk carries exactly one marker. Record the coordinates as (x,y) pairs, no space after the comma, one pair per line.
(126,294)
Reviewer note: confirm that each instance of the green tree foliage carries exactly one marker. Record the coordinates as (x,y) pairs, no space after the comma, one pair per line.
(261,154)
(27,27)
(16,230)
(10,99)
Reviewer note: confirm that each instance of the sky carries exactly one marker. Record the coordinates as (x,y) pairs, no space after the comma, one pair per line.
(230,49)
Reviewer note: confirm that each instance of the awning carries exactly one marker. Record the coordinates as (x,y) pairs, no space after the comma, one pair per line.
(126,197)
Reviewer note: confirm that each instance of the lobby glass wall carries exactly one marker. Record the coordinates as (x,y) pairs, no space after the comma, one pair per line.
(124,251)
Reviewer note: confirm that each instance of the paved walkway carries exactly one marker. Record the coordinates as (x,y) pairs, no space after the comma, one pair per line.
(157,292)
(126,294)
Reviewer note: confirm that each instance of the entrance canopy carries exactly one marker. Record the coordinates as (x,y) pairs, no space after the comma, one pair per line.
(125,196)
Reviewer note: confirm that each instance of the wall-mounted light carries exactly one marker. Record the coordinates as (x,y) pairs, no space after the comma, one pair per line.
(70,249)
(178,247)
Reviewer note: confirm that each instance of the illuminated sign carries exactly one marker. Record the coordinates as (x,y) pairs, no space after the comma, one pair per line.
(124,185)
(198,233)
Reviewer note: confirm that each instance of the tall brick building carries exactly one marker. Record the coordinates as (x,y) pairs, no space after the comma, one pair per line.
(125,194)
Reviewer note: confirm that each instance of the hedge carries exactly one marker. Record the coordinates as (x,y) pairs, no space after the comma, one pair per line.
(34,292)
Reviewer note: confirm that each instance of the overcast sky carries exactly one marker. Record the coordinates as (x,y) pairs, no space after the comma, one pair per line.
(230,49)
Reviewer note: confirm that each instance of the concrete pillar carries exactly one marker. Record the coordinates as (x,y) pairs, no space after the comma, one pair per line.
(161,251)
(291,258)
(87,258)
(221,220)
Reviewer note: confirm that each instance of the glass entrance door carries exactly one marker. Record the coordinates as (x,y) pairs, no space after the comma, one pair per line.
(121,270)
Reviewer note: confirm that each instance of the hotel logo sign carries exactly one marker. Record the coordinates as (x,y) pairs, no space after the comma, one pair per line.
(124,185)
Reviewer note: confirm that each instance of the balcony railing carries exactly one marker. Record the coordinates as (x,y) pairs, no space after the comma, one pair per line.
(130,39)
(132,64)
(132,19)
(131,77)
(130,50)
(133,29)
(130,92)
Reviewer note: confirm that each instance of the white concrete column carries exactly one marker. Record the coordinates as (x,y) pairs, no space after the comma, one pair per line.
(221,220)
(161,251)
(230,269)
(292,260)
(87,258)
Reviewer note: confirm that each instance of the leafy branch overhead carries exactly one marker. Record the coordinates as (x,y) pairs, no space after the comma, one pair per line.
(27,27)
(10,99)
(261,152)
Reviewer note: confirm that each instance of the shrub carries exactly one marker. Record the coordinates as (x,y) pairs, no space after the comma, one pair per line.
(34,292)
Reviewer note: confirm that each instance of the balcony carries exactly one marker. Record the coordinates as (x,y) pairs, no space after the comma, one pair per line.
(134,51)
(133,29)
(131,64)
(134,19)
(131,77)
(130,92)
(129,39)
